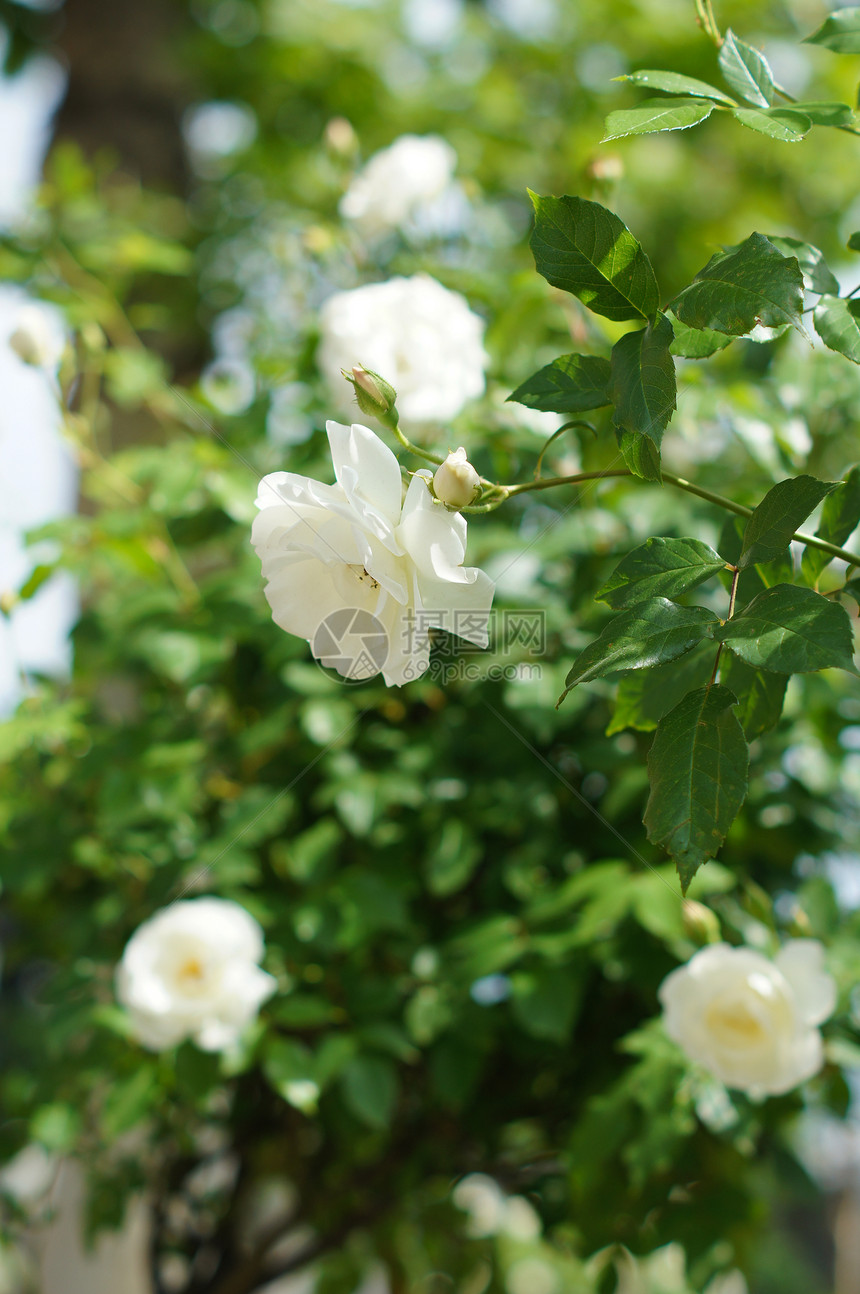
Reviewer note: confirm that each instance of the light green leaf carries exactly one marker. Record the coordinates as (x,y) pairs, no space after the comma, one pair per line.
(660,568)
(837,322)
(771,526)
(570,384)
(817,275)
(582,248)
(697,767)
(760,694)
(643,387)
(369,1086)
(746,70)
(654,115)
(840,32)
(827,114)
(644,696)
(695,343)
(786,124)
(648,634)
(791,630)
(750,284)
(675,83)
(840,517)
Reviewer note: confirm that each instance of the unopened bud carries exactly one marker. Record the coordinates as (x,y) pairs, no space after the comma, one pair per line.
(374,395)
(608,168)
(36,339)
(700,923)
(456,483)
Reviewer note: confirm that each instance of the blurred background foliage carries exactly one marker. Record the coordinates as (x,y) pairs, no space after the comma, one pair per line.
(468,925)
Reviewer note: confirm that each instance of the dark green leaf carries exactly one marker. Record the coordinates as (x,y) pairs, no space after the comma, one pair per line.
(817,276)
(675,83)
(641,456)
(771,526)
(840,517)
(760,694)
(786,124)
(696,343)
(840,32)
(660,568)
(837,322)
(853,243)
(646,695)
(369,1085)
(791,630)
(827,114)
(655,631)
(643,385)
(697,767)
(570,384)
(746,70)
(654,115)
(545,1001)
(747,285)
(582,248)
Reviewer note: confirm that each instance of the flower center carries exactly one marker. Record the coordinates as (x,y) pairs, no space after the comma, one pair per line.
(734,1024)
(364,577)
(192,971)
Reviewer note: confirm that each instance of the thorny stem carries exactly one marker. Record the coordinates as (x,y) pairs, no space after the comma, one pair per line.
(736,573)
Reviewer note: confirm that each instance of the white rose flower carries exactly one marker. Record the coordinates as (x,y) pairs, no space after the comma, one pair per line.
(360,571)
(748,1020)
(397,182)
(38,337)
(421,337)
(192,971)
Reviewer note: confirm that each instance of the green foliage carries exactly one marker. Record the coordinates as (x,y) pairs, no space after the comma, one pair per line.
(837,322)
(840,517)
(746,70)
(650,633)
(657,114)
(661,568)
(570,384)
(644,394)
(750,284)
(839,32)
(791,630)
(776,518)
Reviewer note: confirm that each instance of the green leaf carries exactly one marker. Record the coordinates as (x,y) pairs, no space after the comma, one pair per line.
(654,631)
(853,243)
(750,284)
(545,1001)
(746,70)
(675,83)
(697,767)
(646,695)
(695,343)
(827,114)
(582,248)
(654,115)
(840,517)
(771,526)
(369,1085)
(817,276)
(570,384)
(837,322)
(643,385)
(786,124)
(840,32)
(791,630)
(660,568)
(641,456)
(760,694)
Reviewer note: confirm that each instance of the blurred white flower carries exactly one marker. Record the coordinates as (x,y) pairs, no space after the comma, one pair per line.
(397,183)
(748,1020)
(192,971)
(39,337)
(362,573)
(490,1212)
(418,335)
(456,483)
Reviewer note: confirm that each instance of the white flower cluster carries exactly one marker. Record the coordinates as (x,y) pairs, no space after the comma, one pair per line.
(192,971)
(400,184)
(361,572)
(420,336)
(748,1020)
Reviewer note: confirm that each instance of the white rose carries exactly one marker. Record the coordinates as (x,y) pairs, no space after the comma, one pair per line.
(397,182)
(456,482)
(422,338)
(360,571)
(191,971)
(748,1020)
